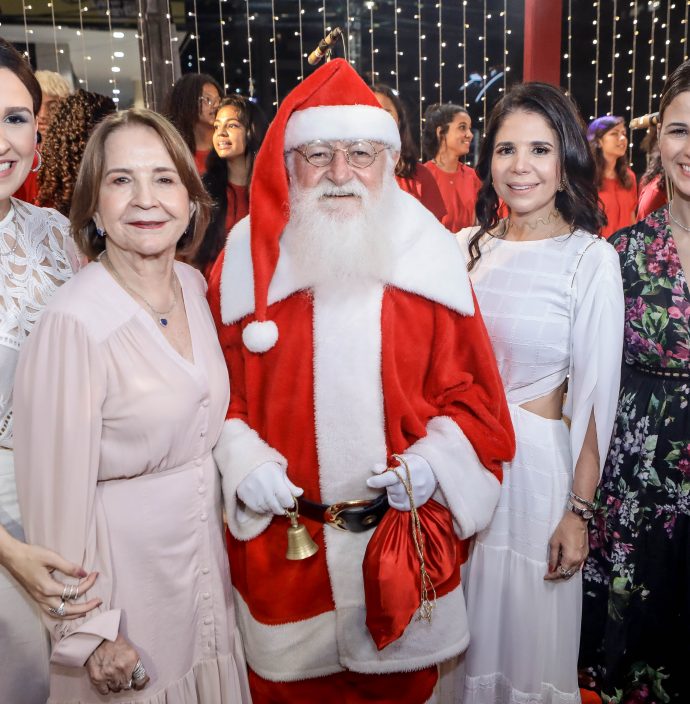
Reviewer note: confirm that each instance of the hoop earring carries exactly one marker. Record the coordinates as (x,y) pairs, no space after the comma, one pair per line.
(40,162)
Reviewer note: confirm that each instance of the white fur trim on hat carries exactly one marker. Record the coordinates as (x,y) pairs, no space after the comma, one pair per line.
(260,336)
(341,122)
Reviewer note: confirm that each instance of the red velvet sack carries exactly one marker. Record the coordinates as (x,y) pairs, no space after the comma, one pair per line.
(391,568)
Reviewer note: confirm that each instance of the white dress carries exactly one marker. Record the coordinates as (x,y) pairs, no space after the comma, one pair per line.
(553,309)
(36,256)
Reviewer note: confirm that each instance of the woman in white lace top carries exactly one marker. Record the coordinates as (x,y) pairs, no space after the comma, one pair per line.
(36,256)
(551,296)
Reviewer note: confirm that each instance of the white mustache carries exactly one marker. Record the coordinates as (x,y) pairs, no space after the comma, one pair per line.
(353,188)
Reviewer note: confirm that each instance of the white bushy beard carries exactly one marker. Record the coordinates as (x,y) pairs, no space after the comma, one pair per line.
(333,242)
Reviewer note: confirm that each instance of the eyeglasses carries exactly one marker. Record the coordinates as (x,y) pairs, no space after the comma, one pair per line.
(359,154)
(213,103)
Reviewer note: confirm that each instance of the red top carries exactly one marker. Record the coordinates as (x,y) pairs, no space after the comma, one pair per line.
(238,208)
(238,205)
(459,191)
(200,160)
(422,185)
(651,198)
(28,191)
(619,203)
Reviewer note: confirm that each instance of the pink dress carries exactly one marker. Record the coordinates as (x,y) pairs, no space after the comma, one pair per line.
(113,438)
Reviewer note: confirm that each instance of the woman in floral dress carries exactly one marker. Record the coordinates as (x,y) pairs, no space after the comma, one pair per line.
(636,579)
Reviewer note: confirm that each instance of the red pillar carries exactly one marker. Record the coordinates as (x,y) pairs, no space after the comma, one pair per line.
(542,57)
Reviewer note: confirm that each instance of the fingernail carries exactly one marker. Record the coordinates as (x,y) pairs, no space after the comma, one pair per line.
(82,573)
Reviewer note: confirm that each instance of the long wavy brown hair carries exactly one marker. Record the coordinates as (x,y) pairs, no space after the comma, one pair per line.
(64,146)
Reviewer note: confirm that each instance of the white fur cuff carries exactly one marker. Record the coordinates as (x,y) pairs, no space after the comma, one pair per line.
(239,451)
(471,490)
(341,123)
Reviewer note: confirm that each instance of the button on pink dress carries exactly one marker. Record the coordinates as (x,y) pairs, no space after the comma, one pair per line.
(113,438)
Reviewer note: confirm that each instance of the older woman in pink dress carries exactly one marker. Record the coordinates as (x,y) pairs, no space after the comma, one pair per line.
(121,392)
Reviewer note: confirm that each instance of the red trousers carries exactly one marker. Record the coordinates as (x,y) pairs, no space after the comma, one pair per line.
(348,688)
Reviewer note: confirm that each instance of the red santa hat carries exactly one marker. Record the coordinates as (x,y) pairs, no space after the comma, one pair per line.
(332,104)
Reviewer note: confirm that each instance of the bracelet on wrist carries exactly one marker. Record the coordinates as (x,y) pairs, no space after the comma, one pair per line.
(575,498)
(585,514)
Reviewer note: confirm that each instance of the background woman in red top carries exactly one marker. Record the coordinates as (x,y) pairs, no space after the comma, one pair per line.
(191,106)
(239,129)
(616,182)
(414,178)
(446,139)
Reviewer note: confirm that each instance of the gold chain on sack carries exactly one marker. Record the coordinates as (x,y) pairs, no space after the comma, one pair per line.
(427,605)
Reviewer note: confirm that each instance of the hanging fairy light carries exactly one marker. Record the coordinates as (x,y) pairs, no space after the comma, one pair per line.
(347,26)
(569,55)
(300,12)
(396,10)
(631,88)
(614,56)
(55,43)
(115,69)
(370,7)
(441,45)
(249,48)
(667,43)
(82,9)
(597,80)
(419,68)
(485,60)
(223,43)
(504,14)
(322,10)
(650,77)
(685,35)
(148,83)
(195,36)
(464,53)
(26,31)
(274,60)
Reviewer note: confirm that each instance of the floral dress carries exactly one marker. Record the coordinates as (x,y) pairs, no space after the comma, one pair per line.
(636,580)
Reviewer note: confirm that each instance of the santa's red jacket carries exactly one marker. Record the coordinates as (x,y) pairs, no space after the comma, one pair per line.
(360,371)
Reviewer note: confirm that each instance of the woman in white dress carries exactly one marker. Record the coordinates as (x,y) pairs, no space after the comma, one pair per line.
(37,255)
(550,293)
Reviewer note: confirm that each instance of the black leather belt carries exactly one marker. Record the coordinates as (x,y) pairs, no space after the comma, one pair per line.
(356,516)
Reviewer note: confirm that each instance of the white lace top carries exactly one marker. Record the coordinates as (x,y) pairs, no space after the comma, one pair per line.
(36,256)
(554,309)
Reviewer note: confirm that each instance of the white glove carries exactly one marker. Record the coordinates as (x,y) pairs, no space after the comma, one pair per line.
(267,489)
(422,480)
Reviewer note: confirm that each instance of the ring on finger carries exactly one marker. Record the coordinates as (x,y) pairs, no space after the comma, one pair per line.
(59,610)
(128,685)
(139,672)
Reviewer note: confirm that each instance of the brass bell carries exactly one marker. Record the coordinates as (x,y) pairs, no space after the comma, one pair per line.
(300,544)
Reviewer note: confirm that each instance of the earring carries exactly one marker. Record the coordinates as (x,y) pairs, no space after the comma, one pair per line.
(40,162)
(561,185)
(100,232)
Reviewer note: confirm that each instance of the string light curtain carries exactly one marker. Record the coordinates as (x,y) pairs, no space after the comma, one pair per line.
(250,17)
(614,56)
(597,81)
(419,68)
(396,10)
(82,9)
(633,51)
(650,77)
(274,60)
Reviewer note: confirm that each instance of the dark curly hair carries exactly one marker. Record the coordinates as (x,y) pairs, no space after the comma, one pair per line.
(254,121)
(64,144)
(596,130)
(182,104)
(435,116)
(650,145)
(409,154)
(578,202)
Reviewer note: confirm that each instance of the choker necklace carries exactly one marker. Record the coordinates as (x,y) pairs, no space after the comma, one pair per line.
(551,217)
(677,222)
(161,316)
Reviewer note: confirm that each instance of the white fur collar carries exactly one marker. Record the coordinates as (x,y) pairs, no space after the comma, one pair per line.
(429,263)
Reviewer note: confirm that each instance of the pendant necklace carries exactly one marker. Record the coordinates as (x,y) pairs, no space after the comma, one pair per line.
(161,316)
(677,222)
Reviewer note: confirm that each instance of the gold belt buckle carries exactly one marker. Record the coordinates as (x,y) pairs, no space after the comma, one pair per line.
(332,513)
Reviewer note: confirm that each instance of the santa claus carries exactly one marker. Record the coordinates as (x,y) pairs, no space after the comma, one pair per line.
(351,334)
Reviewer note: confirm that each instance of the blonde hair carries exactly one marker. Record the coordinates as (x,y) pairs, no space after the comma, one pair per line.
(53,83)
(88,186)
